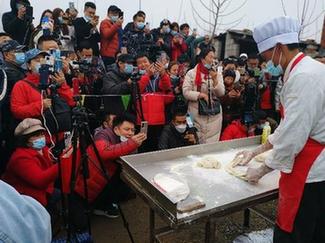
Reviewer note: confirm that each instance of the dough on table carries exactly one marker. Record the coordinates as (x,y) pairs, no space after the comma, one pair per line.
(237,171)
(209,162)
(262,157)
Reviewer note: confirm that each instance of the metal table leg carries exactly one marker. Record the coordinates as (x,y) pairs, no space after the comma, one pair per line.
(151,226)
(210,231)
(247,214)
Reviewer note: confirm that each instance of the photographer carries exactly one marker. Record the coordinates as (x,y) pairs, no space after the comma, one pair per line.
(117,82)
(111,35)
(64,33)
(112,143)
(45,28)
(18,22)
(232,101)
(86,27)
(14,59)
(156,93)
(31,171)
(26,98)
(138,38)
(177,133)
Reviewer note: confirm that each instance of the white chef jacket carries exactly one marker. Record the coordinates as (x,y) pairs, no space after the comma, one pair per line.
(303,100)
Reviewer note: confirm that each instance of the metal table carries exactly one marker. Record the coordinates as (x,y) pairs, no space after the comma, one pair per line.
(222,193)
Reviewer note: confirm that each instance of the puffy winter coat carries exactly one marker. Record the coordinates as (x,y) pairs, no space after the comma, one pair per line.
(234,130)
(110,148)
(31,173)
(109,38)
(209,127)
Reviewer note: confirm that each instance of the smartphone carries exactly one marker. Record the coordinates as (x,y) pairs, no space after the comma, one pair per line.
(121,14)
(147,26)
(71,5)
(96,17)
(144,127)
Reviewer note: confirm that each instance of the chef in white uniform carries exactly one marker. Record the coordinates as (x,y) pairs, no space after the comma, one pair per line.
(298,143)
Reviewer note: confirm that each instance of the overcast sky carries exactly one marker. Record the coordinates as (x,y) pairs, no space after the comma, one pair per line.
(252,13)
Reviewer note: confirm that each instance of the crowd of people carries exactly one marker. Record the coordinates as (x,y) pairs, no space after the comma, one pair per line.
(122,74)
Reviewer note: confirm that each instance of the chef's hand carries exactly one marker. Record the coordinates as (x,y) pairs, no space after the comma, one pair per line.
(253,175)
(243,158)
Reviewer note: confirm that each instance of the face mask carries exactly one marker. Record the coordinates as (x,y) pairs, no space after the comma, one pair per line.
(167,30)
(36,68)
(208,66)
(114,18)
(39,143)
(140,25)
(128,69)
(88,18)
(142,72)
(20,58)
(123,138)
(60,19)
(272,69)
(88,60)
(173,32)
(181,128)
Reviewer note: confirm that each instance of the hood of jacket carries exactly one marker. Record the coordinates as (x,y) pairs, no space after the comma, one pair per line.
(13,4)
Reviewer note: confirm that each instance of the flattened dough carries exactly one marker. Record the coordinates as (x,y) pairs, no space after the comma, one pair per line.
(262,157)
(209,162)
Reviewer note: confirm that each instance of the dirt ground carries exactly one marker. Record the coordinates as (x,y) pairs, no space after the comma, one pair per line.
(137,214)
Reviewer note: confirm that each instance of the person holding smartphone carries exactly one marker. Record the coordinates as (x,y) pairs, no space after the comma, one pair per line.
(86,27)
(18,22)
(110,29)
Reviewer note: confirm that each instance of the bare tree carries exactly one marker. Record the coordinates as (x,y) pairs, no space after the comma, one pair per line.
(307,14)
(218,11)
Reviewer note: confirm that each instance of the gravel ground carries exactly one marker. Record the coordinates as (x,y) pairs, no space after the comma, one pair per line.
(137,213)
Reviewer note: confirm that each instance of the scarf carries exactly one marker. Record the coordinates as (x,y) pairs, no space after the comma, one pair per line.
(199,70)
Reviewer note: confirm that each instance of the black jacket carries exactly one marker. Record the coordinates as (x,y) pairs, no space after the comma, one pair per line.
(84,32)
(14,73)
(171,138)
(16,27)
(115,83)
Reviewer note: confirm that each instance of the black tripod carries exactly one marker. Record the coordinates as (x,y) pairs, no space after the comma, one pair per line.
(81,133)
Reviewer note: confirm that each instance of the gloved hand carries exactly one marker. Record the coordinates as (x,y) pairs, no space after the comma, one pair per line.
(243,158)
(253,175)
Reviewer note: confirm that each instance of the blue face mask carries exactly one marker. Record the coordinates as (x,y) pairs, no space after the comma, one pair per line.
(128,68)
(114,18)
(36,68)
(20,58)
(208,66)
(275,71)
(60,19)
(173,32)
(272,69)
(140,25)
(142,72)
(39,143)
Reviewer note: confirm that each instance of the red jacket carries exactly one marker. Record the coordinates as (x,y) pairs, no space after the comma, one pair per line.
(153,104)
(110,150)
(178,49)
(109,38)
(234,130)
(31,173)
(26,101)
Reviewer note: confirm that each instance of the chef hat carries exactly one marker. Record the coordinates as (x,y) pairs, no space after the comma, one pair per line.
(282,30)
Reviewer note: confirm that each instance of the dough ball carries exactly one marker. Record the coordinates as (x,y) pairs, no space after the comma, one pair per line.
(209,162)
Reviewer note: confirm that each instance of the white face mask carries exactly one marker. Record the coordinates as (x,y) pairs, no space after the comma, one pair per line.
(181,128)
(123,138)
